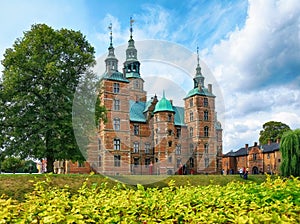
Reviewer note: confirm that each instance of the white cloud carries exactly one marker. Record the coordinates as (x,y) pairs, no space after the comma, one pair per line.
(257,67)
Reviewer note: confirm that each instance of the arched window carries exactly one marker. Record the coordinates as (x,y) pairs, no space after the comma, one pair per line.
(117,144)
(205,102)
(99,161)
(205,131)
(191,116)
(206,147)
(191,132)
(178,149)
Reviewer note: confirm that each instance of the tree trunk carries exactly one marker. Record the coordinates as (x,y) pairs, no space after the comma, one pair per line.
(50,162)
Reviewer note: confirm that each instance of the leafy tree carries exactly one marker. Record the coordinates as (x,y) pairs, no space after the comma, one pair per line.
(12,164)
(290,151)
(41,73)
(272,130)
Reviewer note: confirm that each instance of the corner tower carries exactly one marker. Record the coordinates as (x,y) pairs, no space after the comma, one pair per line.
(131,70)
(200,120)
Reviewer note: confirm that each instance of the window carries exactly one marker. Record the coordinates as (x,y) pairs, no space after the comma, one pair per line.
(156,131)
(206,147)
(99,144)
(191,116)
(99,161)
(136,84)
(169,117)
(116,104)
(147,162)
(178,132)
(117,144)
(136,161)
(117,160)
(136,129)
(170,159)
(205,131)
(147,148)
(191,102)
(116,124)
(178,162)
(169,132)
(178,149)
(116,87)
(191,132)
(191,160)
(206,115)
(170,143)
(191,148)
(206,161)
(279,160)
(268,155)
(205,102)
(135,147)
(254,156)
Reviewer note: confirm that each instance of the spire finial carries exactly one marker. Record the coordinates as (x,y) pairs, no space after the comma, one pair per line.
(198,56)
(110,37)
(131,23)
(164,95)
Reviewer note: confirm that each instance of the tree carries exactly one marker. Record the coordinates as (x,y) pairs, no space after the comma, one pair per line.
(290,152)
(12,164)
(272,130)
(41,73)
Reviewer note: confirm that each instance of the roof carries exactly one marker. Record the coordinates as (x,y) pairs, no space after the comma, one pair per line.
(163,105)
(179,116)
(270,148)
(136,111)
(197,91)
(132,75)
(243,151)
(116,76)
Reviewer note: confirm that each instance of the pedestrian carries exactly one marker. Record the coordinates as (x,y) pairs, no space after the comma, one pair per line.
(241,172)
(246,174)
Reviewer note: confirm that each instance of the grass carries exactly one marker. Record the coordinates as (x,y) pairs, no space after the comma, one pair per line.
(17,185)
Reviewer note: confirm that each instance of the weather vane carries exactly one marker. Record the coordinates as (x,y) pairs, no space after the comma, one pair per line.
(131,23)
(110,28)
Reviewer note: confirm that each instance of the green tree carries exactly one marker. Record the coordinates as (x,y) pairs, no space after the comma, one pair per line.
(41,73)
(11,164)
(272,130)
(290,152)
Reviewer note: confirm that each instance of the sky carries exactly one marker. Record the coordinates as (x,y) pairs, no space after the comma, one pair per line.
(249,50)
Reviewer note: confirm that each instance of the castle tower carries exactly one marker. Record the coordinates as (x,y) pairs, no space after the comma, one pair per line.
(114,135)
(131,70)
(200,121)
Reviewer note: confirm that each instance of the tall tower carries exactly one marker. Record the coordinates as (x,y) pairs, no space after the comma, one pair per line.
(200,121)
(131,70)
(114,135)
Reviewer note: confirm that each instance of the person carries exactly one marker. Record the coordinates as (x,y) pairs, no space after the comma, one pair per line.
(241,172)
(246,174)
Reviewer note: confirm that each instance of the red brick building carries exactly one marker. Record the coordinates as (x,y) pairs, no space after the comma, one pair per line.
(257,158)
(153,136)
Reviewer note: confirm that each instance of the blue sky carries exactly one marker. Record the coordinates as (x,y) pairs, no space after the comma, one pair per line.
(251,48)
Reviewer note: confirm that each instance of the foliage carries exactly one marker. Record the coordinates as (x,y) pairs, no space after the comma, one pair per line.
(274,201)
(290,151)
(272,131)
(11,164)
(41,73)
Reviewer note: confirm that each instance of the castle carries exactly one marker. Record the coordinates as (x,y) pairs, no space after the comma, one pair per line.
(153,136)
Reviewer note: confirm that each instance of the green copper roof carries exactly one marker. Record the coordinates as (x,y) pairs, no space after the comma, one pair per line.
(179,116)
(163,105)
(196,91)
(116,76)
(133,75)
(136,111)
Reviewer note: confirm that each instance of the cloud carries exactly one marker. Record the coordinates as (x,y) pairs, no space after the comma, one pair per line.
(258,69)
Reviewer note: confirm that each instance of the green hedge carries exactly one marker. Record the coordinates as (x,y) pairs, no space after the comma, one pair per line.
(274,201)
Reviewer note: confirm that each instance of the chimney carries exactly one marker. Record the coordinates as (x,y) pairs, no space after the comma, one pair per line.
(209,88)
(278,140)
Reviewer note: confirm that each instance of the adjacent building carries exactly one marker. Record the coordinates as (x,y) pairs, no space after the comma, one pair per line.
(257,158)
